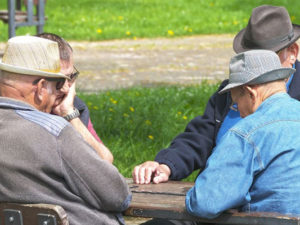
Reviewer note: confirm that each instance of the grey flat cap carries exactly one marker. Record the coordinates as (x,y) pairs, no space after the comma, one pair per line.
(255,67)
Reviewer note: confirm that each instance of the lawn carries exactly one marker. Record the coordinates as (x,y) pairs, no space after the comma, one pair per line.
(119,19)
(136,123)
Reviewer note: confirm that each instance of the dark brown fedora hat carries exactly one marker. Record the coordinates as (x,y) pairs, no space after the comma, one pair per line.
(269,27)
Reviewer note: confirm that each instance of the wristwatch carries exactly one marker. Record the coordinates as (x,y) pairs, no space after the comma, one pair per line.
(72,115)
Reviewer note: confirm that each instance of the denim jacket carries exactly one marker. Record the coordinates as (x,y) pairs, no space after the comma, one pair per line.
(256,165)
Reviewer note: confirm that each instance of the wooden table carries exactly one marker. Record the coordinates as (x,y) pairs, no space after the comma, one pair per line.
(167,201)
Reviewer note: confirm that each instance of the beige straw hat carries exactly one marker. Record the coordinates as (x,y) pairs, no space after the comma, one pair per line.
(32,56)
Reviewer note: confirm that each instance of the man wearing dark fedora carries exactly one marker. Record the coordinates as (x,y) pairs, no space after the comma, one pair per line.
(270,28)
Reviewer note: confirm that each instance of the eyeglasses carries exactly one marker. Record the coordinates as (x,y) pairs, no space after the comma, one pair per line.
(73,75)
(59,81)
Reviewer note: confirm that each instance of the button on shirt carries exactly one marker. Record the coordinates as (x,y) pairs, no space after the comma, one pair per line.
(255,166)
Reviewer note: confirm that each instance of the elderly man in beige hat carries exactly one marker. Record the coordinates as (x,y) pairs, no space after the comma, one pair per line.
(269,27)
(43,159)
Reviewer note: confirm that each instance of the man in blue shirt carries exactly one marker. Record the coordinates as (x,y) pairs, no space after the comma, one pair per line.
(269,27)
(262,171)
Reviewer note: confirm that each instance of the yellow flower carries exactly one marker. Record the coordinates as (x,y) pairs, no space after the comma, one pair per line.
(125,115)
(150,137)
(128,33)
(113,101)
(111,109)
(99,31)
(90,103)
(170,32)
(184,117)
(235,22)
(96,107)
(293,18)
(131,109)
(148,122)
(179,113)
(134,38)
(120,18)
(190,30)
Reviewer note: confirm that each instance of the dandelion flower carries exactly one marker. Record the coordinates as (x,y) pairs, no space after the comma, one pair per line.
(111,110)
(134,38)
(99,31)
(96,107)
(170,32)
(184,117)
(190,30)
(131,109)
(120,18)
(293,18)
(128,33)
(150,137)
(125,115)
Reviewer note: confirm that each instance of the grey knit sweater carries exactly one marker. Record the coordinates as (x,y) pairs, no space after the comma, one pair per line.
(44,160)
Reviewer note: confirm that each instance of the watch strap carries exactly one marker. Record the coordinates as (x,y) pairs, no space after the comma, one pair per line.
(72,115)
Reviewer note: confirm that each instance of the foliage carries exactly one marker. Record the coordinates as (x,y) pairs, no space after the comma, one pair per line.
(136,123)
(102,19)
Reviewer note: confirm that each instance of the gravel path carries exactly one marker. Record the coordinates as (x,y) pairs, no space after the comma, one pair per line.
(125,63)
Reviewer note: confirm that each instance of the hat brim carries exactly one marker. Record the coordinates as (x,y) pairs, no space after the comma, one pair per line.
(238,47)
(277,74)
(31,72)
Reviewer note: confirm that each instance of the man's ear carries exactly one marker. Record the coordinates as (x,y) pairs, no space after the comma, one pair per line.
(41,90)
(293,52)
(251,91)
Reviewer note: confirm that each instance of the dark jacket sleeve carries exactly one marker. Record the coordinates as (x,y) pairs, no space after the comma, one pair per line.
(83,109)
(190,149)
(294,91)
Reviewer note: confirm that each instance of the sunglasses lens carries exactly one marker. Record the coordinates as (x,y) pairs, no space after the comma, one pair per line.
(60,84)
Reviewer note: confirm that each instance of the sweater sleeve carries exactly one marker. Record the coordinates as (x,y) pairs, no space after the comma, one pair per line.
(93,179)
(189,150)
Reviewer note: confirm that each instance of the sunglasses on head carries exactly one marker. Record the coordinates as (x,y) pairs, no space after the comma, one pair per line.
(59,81)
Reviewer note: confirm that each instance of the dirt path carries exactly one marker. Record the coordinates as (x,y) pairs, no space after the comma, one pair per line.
(125,63)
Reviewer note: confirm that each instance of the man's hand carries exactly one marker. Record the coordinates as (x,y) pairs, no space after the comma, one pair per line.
(66,106)
(143,173)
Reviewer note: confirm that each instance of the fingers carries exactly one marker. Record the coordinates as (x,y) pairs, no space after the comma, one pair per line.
(142,174)
(161,177)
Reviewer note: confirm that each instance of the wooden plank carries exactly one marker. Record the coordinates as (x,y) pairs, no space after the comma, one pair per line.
(167,201)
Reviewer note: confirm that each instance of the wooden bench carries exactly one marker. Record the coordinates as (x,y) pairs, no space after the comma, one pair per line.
(167,201)
(15,17)
(32,214)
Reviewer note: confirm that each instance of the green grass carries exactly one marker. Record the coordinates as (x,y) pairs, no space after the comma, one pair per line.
(111,19)
(136,123)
